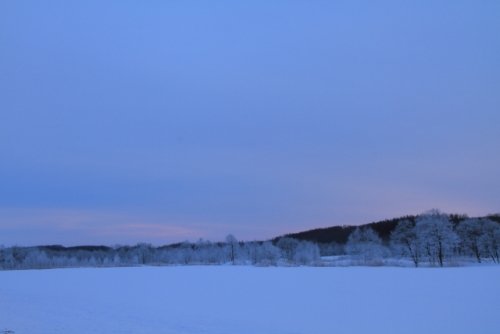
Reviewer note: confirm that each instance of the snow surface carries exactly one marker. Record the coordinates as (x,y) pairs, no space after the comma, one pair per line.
(244,299)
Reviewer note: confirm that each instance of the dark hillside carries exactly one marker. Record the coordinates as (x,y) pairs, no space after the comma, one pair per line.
(385,227)
(59,248)
(340,234)
(495,217)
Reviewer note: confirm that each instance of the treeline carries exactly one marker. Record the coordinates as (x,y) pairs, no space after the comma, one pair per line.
(284,252)
(384,228)
(431,239)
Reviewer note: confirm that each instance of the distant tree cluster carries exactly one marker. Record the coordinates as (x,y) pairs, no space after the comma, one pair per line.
(365,245)
(436,237)
(285,252)
(431,239)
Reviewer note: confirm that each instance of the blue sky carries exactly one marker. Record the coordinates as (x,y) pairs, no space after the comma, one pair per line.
(126,121)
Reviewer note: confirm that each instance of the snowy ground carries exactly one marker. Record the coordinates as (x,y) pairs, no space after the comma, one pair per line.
(234,299)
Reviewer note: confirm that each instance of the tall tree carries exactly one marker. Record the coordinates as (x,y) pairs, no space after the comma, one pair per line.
(470,232)
(233,244)
(489,242)
(436,236)
(288,247)
(365,244)
(404,238)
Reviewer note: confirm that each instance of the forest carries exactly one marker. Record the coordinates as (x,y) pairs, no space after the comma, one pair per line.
(429,239)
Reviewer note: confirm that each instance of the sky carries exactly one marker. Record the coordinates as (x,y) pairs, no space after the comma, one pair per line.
(163,121)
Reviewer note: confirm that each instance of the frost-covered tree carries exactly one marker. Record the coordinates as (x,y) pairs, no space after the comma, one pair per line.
(184,254)
(489,241)
(232,242)
(144,253)
(205,252)
(470,232)
(332,248)
(265,254)
(7,258)
(36,259)
(404,239)
(288,247)
(436,237)
(364,243)
(306,253)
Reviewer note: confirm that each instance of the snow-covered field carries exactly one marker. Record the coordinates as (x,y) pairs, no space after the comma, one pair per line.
(244,299)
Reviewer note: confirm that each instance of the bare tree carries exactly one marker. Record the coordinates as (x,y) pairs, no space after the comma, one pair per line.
(288,246)
(436,236)
(265,253)
(306,253)
(404,238)
(365,244)
(470,232)
(489,242)
(233,243)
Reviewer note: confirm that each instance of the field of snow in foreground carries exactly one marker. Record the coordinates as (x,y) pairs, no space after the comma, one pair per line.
(234,299)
